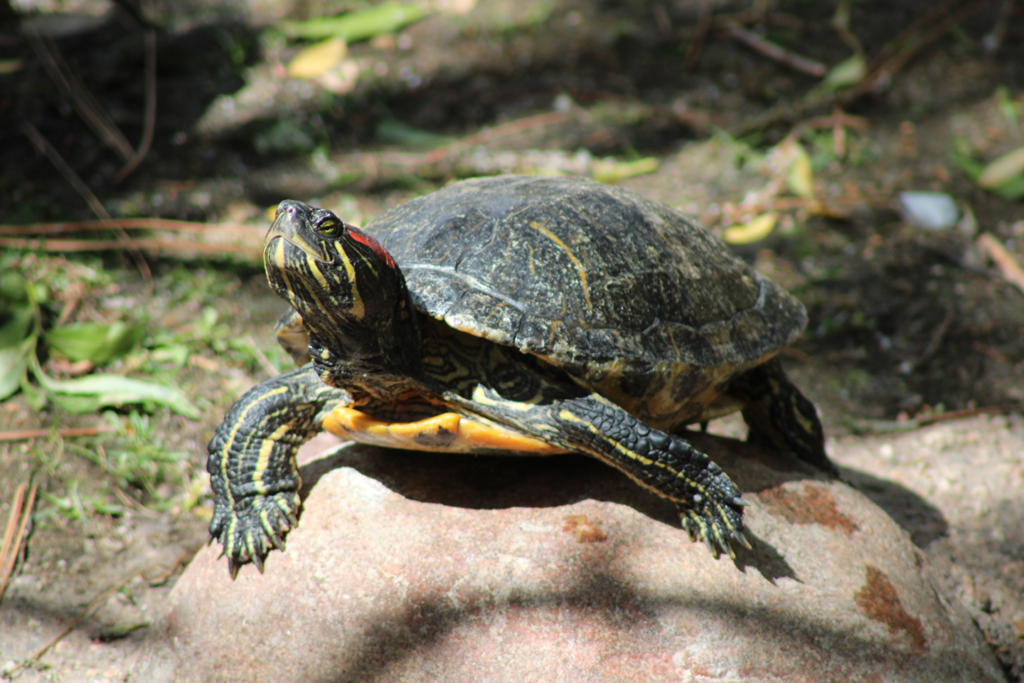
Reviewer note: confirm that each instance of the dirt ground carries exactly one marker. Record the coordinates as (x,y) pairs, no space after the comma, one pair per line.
(914,353)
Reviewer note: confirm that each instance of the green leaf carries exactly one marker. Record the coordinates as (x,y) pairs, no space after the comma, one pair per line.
(177,354)
(317,59)
(34,396)
(17,341)
(1002,170)
(76,404)
(754,231)
(13,364)
(850,71)
(367,23)
(17,328)
(13,291)
(612,171)
(800,176)
(971,167)
(94,341)
(100,391)
(1006,106)
(1011,190)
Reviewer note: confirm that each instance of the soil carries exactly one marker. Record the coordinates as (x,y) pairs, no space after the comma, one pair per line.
(914,353)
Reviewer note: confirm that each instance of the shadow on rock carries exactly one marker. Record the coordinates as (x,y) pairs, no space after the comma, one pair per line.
(501,482)
(919,518)
(603,595)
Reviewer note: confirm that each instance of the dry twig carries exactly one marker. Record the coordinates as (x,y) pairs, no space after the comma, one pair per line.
(87,107)
(62,228)
(43,145)
(1011,270)
(26,434)
(777,52)
(242,244)
(150,109)
(20,514)
(159,246)
(703,28)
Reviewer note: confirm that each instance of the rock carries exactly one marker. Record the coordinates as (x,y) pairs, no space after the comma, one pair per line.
(424,567)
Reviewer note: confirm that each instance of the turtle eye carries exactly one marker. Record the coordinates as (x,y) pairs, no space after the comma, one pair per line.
(329,227)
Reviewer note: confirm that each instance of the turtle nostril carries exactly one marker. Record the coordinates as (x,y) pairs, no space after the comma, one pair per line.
(288,206)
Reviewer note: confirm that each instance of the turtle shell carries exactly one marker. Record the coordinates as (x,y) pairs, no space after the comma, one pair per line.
(627,295)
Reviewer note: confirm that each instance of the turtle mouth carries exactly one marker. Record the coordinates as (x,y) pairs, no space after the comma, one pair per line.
(294,265)
(284,230)
(284,253)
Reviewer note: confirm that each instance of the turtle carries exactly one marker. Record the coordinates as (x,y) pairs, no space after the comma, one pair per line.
(514,314)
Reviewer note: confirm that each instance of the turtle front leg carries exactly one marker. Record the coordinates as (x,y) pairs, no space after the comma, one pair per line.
(252,466)
(780,416)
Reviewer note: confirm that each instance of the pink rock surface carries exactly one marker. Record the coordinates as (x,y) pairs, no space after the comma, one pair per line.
(419,567)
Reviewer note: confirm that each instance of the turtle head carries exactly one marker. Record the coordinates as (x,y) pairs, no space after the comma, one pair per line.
(348,290)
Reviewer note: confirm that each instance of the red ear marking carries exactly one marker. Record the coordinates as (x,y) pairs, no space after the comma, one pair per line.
(360,236)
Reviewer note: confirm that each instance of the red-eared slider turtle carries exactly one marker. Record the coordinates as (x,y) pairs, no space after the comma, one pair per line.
(513,314)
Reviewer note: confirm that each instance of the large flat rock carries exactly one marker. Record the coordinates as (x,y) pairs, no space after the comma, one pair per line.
(420,567)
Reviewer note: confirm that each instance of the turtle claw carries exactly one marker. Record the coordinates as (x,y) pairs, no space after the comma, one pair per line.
(711,546)
(275,539)
(718,525)
(252,527)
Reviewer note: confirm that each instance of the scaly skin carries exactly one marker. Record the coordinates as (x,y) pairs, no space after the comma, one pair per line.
(253,472)
(709,503)
(780,416)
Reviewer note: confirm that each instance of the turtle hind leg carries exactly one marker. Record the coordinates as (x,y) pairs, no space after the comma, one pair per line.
(780,416)
(709,503)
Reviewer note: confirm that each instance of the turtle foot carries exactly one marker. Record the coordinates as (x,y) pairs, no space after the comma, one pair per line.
(718,523)
(253,527)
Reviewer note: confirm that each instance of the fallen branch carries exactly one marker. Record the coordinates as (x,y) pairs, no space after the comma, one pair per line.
(56,245)
(26,434)
(36,229)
